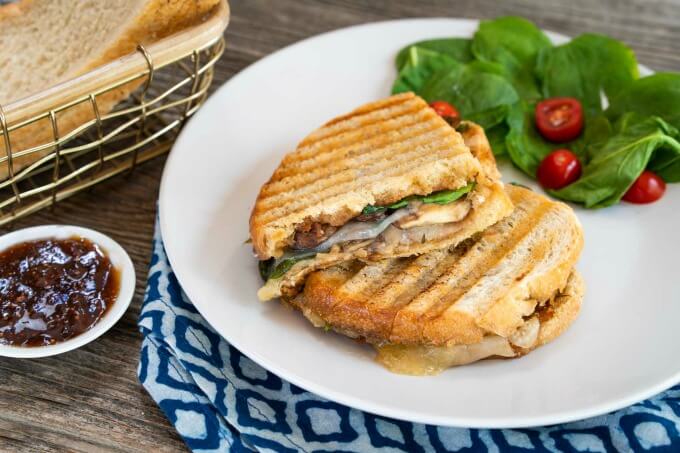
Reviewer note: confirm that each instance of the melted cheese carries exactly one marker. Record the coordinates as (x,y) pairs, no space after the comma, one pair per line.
(430,360)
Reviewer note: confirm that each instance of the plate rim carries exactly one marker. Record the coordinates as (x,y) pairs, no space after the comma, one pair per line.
(355,402)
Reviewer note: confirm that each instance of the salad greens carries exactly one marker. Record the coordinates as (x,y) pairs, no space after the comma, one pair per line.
(657,94)
(419,66)
(586,67)
(621,160)
(436,76)
(460,84)
(513,43)
(524,144)
(440,197)
(497,77)
(456,48)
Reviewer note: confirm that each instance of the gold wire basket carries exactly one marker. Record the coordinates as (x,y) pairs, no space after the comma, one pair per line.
(42,161)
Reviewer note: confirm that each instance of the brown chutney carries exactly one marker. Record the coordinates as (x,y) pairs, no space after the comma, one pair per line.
(52,290)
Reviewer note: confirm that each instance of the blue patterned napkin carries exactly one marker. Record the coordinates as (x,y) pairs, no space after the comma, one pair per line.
(219,400)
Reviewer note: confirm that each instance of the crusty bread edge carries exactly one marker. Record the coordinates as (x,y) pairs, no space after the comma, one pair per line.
(566,311)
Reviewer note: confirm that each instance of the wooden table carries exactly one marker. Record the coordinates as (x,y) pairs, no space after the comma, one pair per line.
(90,399)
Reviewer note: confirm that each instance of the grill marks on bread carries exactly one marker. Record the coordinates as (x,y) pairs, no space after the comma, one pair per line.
(487,286)
(350,156)
(496,205)
(377,154)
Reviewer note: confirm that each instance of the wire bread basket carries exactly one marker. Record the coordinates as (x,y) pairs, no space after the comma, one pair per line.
(47,156)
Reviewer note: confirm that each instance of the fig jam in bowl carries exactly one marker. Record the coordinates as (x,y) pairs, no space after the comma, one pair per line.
(60,288)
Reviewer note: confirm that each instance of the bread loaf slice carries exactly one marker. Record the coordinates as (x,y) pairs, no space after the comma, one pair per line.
(45,42)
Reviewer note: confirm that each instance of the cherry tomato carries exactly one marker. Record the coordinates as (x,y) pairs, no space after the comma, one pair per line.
(444,109)
(648,188)
(559,168)
(559,119)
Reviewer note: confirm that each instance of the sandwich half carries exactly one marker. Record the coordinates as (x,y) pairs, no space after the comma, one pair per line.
(390,179)
(501,293)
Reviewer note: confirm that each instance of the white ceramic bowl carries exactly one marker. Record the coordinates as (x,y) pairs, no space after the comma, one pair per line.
(120,260)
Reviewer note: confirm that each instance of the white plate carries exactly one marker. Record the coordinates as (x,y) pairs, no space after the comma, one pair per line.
(624,347)
(119,259)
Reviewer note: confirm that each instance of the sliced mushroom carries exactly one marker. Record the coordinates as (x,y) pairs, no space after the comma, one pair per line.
(432,214)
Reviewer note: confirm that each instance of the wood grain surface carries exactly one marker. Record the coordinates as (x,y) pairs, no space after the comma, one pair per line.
(90,399)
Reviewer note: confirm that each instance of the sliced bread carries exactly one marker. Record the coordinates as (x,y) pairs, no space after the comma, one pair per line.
(45,42)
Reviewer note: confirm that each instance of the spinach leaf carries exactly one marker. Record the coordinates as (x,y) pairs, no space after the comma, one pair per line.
(491,117)
(657,94)
(524,144)
(513,43)
(623,157)
(586,67)
(284,265)
(265,267)
(667,165)
(597,132)
(447,196)
(527,148)
(456,48)
(371,209)
(666,162)
(496,136)
(439,197)
(476,89)
(418,67)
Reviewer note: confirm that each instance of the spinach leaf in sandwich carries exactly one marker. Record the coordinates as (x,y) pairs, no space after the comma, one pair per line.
(441,197)
(447,196)
(265,267)
(624,156)
(513,43)
(276,268)
(478,90)
(586,67)
(283,267)
(455,48)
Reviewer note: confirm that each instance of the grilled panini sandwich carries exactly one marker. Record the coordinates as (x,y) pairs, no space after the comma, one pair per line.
(501,293)
(390,179)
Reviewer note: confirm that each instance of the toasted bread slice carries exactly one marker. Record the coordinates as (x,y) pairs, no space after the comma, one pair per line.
(376,155)
(496,204)
(490,285)
(549,322)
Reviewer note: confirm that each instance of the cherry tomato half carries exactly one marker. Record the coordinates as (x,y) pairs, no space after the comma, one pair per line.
(444,109)
(648,188)
(559,119)
(559,168)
